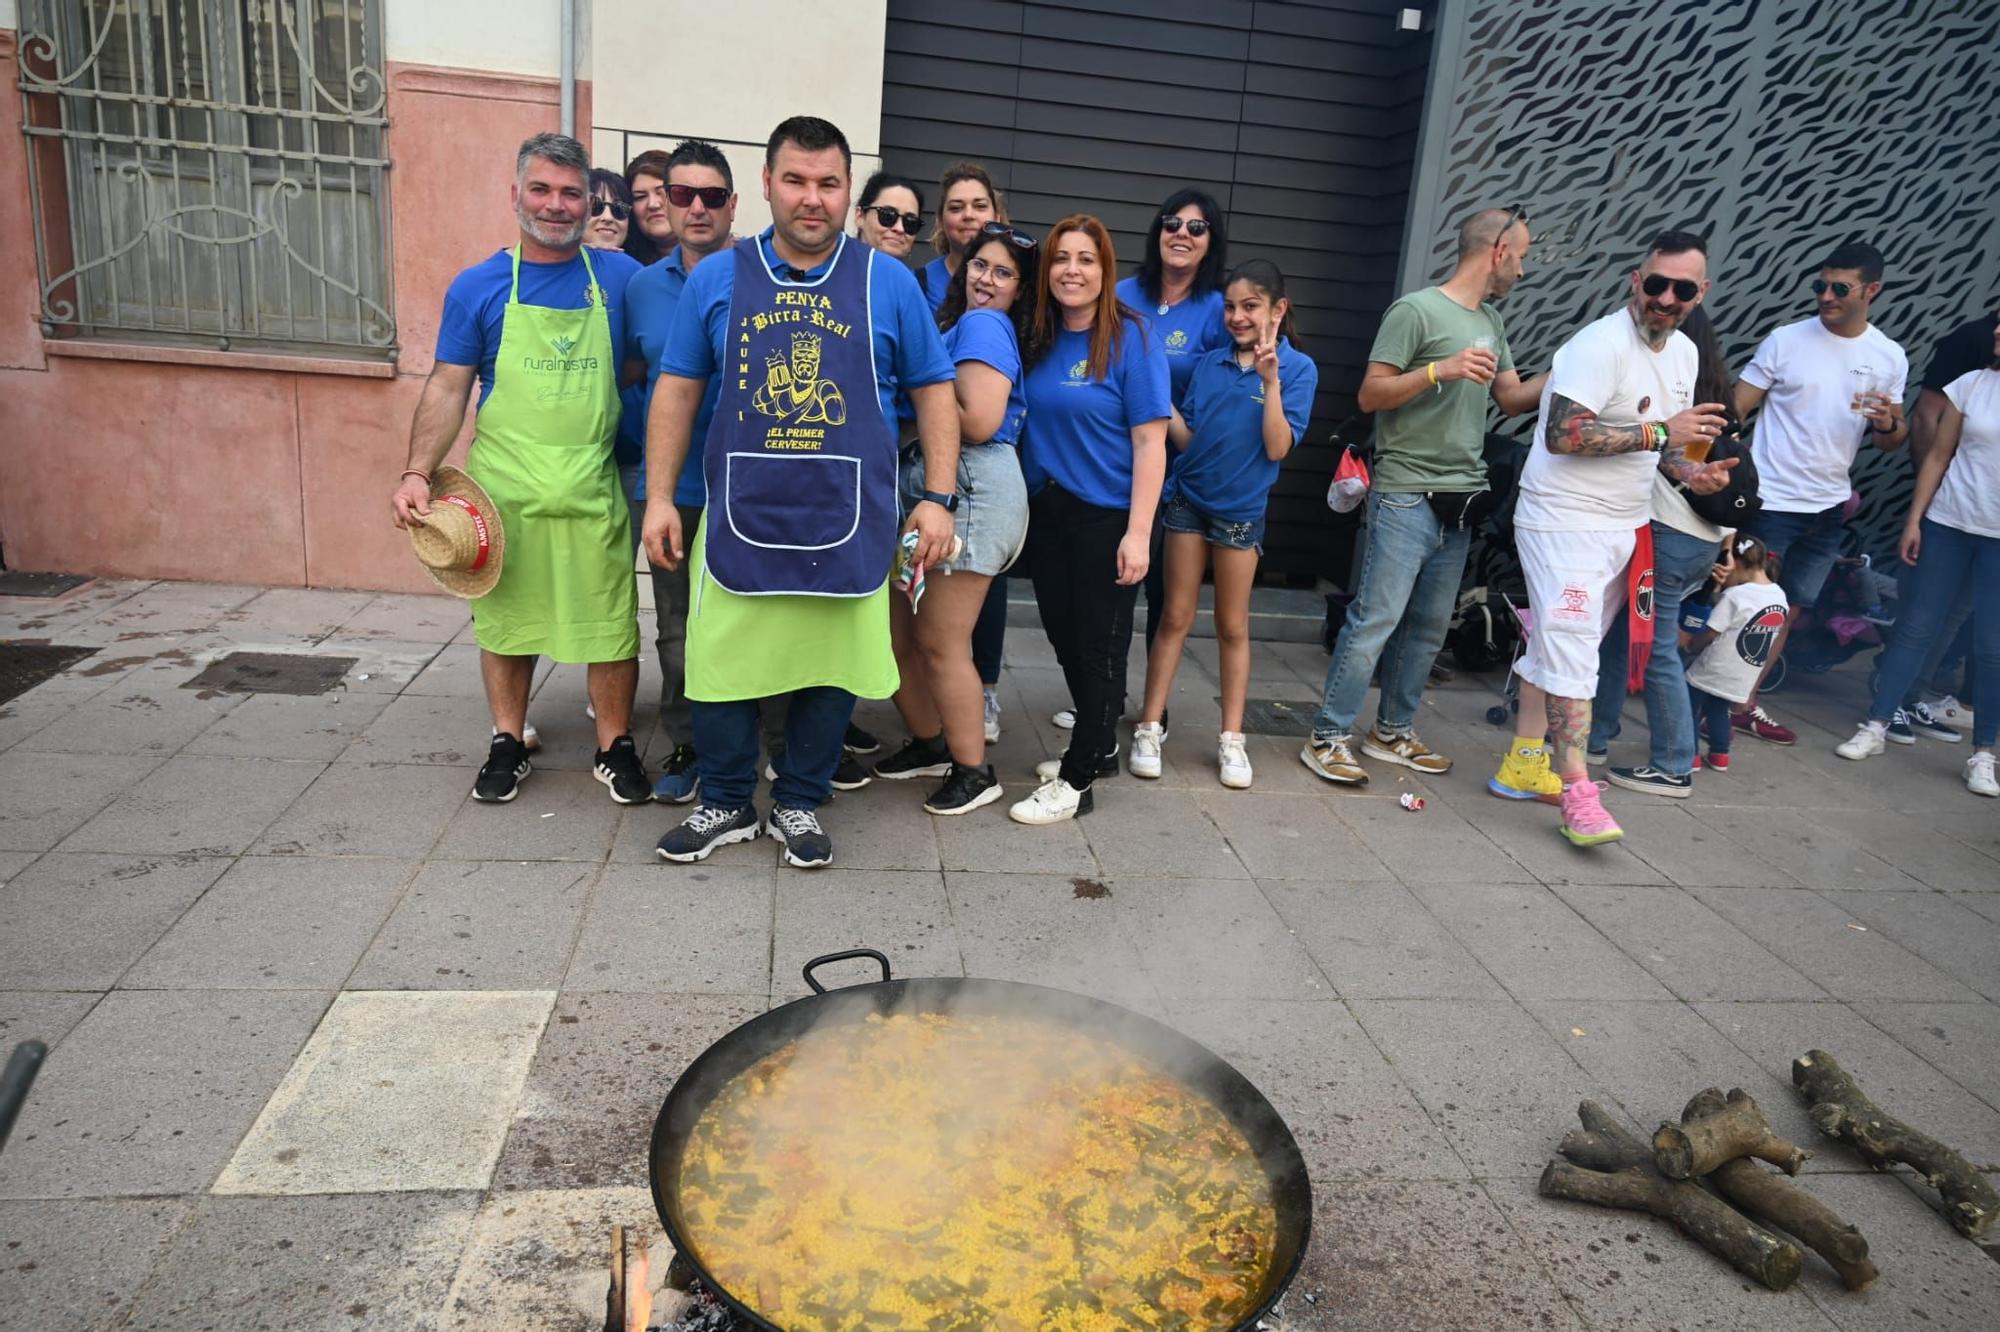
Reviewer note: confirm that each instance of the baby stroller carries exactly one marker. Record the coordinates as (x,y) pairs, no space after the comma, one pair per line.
(1847,619)
(1475,610)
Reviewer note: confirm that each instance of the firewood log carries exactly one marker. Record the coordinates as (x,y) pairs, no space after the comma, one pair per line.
(1738,1128)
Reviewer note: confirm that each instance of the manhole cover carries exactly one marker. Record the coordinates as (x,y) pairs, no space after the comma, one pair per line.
(273,673)
(25,665)
(13,584)
(1277,716)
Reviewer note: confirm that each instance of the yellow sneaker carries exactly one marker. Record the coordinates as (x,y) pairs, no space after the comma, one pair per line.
(1525,775)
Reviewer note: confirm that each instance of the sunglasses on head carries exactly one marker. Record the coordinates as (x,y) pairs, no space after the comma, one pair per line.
(1684,290)
(1173,222)
(1841,290)
(711,196)
(612,206)
(890,218)
(1001,231)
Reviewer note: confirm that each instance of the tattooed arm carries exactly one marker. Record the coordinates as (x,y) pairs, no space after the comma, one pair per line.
(1574,428)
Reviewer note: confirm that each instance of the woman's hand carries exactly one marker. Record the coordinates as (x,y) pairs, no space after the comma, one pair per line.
(1135,555)
(1912,545)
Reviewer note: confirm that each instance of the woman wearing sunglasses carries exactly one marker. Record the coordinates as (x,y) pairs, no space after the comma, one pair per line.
(1095,458)
(985,319)
(610,211)
(890,211)
(1178,288)
(967,201)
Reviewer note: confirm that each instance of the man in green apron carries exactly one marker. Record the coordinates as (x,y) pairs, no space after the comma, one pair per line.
(541,326)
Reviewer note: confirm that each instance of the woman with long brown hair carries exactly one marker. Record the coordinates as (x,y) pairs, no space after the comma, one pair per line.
(967,201)
(1095,458)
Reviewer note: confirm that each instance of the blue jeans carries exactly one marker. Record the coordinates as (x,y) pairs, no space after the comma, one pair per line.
(726,748)
(1715,711)
(1410,572)
(1948,556)
(1680,565)
(1806,544)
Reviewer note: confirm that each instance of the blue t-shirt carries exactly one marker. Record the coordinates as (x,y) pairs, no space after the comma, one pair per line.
(987,336)
(1224,470)
(908,351)
(936,282)
(1079,431)
(651,300)
(476,302)
(1187,331)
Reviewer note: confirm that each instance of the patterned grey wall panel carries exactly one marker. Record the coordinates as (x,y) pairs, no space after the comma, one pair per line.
(1776,127)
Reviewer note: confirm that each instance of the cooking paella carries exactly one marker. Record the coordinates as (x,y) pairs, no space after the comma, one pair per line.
(958,1171)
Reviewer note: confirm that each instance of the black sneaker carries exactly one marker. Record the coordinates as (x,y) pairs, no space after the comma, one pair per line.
(707,828)
(849,775)
(1899,731)
(1107,766)
(506,764)
(621,771)
(806,843)
(1652,781)
(917,758)
(965,790)
(1927,723)
(859,741)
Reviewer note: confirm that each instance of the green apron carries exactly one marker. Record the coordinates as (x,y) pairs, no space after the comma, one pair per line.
(542,448)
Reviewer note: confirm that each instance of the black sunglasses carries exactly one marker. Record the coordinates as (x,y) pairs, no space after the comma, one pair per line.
(612,206)
(1840,289)
(1684,290)
(1001,231)
(1173,222)
(711,196)
(889,218)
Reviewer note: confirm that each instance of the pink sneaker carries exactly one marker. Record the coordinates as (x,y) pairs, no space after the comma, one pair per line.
(1585,821)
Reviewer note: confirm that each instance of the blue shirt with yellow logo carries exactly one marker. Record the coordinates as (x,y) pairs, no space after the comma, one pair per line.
(1079,429)
(1224,471)
(1186,332)
(476,302)
(651,299)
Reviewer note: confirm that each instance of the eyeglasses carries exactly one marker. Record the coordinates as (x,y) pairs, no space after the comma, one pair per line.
(1000,272)
(1173,222)
(889,217)
(1841,290)
(711,196)
(1684,290)
(612,206)
(1001,231)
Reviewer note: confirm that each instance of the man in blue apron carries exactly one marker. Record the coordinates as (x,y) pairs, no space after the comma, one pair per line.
(541,326)
(811,333)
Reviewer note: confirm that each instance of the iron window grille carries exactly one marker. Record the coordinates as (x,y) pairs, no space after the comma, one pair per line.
(210,172)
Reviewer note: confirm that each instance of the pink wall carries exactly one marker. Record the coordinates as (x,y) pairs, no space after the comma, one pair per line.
(240,469)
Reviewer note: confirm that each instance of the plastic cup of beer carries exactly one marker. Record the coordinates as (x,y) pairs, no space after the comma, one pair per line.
(1867,389)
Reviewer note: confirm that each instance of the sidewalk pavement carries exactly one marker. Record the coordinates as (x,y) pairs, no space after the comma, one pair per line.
(333,1047)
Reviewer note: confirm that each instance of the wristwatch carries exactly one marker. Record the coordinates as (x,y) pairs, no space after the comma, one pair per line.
(950,502)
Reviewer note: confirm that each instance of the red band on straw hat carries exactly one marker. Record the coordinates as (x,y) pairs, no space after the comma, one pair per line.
(478,526)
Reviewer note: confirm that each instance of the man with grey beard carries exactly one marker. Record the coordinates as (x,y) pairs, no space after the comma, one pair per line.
(541,325)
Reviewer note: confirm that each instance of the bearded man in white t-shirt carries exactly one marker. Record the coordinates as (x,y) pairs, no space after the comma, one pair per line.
(1619,404)
(1826,386)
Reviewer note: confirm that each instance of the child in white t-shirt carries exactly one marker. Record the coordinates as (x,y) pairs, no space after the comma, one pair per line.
(1732,651)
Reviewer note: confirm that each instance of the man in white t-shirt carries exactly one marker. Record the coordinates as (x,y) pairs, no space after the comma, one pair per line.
(1826,386)
(1618,405)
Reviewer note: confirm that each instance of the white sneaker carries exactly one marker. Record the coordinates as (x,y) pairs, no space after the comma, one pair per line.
(1953,713)
(1065,720)
(1979,775)
(590,711)
(1866,743)
(1145,760)
(1233,761)
(1053,801)
(992,714)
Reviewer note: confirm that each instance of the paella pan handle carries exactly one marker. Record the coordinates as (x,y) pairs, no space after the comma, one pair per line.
(825,958)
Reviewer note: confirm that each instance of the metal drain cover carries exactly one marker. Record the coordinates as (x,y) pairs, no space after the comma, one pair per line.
(16,584)
(25,665)
(1277,716)
(273,673)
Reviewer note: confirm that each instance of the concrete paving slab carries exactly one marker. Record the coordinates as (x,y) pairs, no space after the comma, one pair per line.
(168,607)
(540,1259)
(290,726)
(883,826)
(1694,952)
(408,618)
(395,1092)
(311,613)
(977,843)
(45,797)
(151,1092)
(454,673)
(694,929)
(1976,827)
(1986,904)
(42,1015)
(288,1264)
(275,923)
(76,1265)
(479,925)
(1434,845)
(1378,941)
(1931,1278)
(1818,936)
(42,706)
(1290,837)
(556,816)
(606,1062)
(13,862)
(1535,944)
(370,809)
(1215,939)
(1822,856)
(1675,838)
(904,915)
(152,720)
(1960,1040)
(450,732)
(1048,929)
(381,665)
(1496,1084)
(1935,928)
(1895,1077)
(1531,833)
(1914,847)
(76,922)
(1145,833)
(196,806)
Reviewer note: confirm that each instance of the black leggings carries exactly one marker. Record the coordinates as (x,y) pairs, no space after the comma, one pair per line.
(1073,559)
(989,632)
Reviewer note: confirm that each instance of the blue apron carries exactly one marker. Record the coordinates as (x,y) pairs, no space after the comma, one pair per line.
(801,465)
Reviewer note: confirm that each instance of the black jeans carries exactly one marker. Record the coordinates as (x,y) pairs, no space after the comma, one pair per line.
(1073,559)
(989,632)
(1155,585)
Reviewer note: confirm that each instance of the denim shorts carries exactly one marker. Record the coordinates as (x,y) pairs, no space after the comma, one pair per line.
(1181,516)
(992,517)
(1806,544)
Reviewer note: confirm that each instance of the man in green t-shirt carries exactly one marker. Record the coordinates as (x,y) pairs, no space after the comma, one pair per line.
(1438,358)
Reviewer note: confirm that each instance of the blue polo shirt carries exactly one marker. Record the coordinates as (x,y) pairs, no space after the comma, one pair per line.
(476,302)
(1224,471)
(1079,429)
(1188,330)
(908,351)
(936,282)
(987,336)
(651,299)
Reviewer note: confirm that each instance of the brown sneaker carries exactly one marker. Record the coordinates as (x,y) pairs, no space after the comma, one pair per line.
(1333,760)
(1405,749)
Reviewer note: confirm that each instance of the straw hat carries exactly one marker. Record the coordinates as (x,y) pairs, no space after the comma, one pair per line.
(460,542)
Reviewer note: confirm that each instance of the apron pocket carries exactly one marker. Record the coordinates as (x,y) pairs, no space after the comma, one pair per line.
(792,501)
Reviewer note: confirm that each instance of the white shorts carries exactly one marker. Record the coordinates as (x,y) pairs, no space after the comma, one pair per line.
(1576,587)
